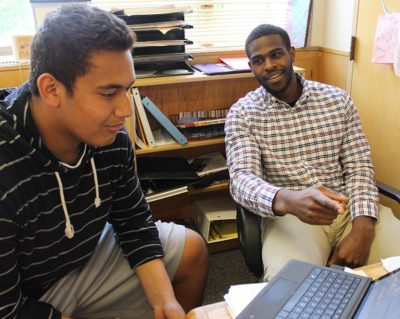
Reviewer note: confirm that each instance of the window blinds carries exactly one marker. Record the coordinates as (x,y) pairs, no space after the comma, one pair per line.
(224,24)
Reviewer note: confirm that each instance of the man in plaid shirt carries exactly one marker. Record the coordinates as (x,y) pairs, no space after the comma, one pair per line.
(298,157)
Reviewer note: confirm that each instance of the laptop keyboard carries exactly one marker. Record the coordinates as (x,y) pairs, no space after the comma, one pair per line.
(323,295)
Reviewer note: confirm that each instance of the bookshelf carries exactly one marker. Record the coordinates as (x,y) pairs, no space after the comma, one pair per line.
(174,94)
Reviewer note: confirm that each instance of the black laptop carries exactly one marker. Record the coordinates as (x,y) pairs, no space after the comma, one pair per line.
(303,290)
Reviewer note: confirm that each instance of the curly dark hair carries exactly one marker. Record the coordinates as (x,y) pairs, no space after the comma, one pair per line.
(267,29)
(68,36)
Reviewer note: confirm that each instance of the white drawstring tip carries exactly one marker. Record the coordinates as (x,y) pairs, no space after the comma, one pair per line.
(97,202)
(69,230)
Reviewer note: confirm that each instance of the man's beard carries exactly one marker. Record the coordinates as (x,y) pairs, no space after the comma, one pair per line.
(288,74)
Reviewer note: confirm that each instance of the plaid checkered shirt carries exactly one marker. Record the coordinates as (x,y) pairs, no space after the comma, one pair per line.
(271,145)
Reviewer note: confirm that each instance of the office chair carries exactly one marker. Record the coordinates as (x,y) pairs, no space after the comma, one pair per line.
(249,231)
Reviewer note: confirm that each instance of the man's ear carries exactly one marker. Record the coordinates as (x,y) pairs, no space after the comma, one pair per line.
(292,53)
(50,90)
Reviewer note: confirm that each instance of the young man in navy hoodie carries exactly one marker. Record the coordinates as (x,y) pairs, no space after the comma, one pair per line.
(77,239)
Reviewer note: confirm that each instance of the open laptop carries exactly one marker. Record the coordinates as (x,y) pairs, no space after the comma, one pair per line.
(303,290)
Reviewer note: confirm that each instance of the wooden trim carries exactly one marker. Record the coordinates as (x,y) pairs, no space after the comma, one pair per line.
(333,51)
(196,77)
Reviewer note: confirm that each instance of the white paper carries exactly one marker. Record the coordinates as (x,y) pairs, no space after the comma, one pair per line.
(239,296)
(391,263)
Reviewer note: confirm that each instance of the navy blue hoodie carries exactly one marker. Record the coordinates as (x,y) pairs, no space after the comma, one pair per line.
(37,244)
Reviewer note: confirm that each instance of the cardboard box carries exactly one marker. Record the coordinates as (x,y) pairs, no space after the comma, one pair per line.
(216,218)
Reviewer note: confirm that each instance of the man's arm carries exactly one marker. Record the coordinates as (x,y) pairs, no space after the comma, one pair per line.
(358,172)
(158,289)
(243,155)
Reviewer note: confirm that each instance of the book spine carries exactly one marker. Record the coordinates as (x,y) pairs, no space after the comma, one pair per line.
(201,123)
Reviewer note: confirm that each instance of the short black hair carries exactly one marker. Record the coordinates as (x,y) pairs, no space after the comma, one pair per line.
(267,29)
(68,36)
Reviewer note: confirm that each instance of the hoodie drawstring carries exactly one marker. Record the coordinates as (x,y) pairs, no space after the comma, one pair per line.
(69,228)
(97,200)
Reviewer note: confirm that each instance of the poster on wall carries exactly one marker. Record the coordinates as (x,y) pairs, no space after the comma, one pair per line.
(387,37)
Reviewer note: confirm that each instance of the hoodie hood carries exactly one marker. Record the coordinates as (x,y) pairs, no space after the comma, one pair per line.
(21,130)
(15,109)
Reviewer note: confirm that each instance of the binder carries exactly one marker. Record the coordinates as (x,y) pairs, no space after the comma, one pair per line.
(143,118)
(163,120)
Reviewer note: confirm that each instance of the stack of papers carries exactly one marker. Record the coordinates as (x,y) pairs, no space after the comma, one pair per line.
(239,296)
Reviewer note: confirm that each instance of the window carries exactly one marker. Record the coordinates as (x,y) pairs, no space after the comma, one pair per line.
(218,24)
(225,24)
(16,18)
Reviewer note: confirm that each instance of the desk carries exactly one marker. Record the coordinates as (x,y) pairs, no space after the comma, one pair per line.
(219,310)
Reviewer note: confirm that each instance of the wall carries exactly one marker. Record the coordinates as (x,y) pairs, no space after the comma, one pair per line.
(331,30)
(376,91)
(332,22)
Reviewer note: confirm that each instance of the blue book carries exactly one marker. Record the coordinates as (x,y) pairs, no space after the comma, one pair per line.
(163,120)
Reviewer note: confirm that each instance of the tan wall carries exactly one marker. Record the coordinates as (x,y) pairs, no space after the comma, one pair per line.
(376,91)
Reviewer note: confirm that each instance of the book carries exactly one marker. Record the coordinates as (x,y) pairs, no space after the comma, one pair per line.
(201,123)
(154,196)
(163,120)
(236,63)
(214,68)
(208,163)
(142,118)
(203,132)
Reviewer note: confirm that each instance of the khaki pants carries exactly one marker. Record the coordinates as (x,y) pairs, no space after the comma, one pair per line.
(287,237)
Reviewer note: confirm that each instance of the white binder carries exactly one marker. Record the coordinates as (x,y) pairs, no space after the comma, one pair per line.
(143,118)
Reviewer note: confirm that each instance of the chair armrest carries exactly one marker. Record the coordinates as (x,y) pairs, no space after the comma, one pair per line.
(389,191)
(249,233)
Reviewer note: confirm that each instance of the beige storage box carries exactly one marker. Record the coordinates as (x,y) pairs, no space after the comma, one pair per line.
(216,218)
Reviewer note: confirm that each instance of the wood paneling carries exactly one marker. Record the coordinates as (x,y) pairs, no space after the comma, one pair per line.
(333,67)
(11,76)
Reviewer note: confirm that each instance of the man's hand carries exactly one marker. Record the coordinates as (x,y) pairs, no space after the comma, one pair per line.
(315,205)
(354,249)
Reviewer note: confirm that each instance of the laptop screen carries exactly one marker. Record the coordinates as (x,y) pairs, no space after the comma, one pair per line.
(382,299)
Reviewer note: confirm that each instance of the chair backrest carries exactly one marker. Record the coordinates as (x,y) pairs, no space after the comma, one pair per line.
(249,233)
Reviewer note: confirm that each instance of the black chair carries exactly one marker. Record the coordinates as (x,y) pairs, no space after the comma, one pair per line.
(249,231)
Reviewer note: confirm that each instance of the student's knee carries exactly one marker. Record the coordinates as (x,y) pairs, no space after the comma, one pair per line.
(195,255)
(196,249)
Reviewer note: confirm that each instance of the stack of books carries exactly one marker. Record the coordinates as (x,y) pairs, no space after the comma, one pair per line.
(202,124)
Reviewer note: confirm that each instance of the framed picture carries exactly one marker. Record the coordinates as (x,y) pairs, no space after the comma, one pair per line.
(22,46)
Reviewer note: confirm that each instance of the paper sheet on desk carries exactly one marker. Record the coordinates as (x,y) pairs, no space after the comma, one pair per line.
(391,263)
(239,296)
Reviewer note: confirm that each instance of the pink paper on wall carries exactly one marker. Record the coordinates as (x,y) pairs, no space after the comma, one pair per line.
(386,37)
